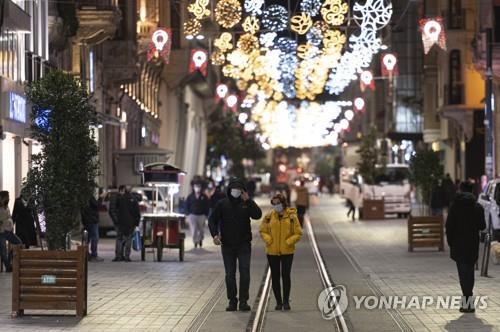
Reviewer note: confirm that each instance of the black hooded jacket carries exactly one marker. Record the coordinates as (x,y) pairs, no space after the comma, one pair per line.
(231,217)
(465,220)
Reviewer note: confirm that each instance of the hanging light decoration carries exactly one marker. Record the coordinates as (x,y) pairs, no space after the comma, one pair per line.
(217,58)
(366,80)
(275,18)
(254,7)
(334,11)
(228,13)
(221,90)
(432,33)
(251,24)
(301,23)
(192,27)
(389,64)
(359,104)
(224,42)
(199,9)
(310,7)
(248,43)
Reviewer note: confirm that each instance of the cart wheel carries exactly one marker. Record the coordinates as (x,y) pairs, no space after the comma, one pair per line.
(181,250)
(159,248)
(143,251)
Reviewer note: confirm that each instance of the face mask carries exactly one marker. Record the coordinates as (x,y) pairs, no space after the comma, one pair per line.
(235,193)
(278,208)
(210,187)
(197,189)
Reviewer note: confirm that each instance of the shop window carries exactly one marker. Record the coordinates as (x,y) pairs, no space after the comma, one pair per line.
(456,15)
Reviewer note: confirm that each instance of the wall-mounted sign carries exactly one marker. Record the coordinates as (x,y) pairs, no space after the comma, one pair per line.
(161,40)
(198,61)
(17,107)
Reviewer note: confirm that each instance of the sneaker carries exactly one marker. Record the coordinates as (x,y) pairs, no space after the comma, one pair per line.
(201,244)
(98,259)
(196,245)
(231,307)
(278,307)
(8,269)
(127,259)
(286,306)
(245,307)
(467,310)
(117,259)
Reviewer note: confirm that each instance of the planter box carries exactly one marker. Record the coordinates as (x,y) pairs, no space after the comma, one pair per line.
(373,209)
(425,232)
(49,280)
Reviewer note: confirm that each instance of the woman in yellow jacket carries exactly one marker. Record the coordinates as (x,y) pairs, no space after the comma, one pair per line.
(280,229)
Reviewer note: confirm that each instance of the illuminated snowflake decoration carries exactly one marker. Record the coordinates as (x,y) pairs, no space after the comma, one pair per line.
(253,7)
(275,18)
(314,36)
(312,7)
(267,39)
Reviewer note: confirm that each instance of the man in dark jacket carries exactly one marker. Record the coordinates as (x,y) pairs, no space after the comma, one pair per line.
(90,221)
(22,216)
(229,225)
(124,211)
(197,208)
(465,221)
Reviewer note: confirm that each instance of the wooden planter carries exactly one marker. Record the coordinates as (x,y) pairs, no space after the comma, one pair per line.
(373,209)
(425,232)
(49,280)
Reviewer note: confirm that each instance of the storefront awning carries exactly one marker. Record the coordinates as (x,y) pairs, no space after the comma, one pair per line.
(463,115)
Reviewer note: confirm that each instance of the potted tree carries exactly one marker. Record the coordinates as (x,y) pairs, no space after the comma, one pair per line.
(60,182)
(370,157)
(425,230)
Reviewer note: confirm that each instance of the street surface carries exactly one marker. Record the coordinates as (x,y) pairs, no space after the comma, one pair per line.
(367,257)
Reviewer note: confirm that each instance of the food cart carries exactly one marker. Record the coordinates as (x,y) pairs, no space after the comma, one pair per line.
(161,228)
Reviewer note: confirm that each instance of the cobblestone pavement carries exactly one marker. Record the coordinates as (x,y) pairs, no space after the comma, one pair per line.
(379,249)
(136,296)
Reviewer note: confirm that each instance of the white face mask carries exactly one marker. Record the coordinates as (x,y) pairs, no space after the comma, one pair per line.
(235,193)
(278,208)
(197,189)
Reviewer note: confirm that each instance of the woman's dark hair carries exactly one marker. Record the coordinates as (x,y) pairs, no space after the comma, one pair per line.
(4,197)
(282,200)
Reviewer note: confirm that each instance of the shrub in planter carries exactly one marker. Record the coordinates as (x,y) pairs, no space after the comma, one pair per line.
(62,176)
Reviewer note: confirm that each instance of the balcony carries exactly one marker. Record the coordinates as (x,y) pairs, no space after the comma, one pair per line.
(120,58)
(98,20)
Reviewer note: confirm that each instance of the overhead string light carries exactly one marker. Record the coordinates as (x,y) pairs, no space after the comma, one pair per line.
(310,7)
(275,18)
(228,13)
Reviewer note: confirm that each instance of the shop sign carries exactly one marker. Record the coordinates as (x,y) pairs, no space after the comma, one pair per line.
(17,107)
(48,279)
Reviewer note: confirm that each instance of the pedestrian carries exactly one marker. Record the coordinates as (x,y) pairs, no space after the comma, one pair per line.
(280,229)
(230,227)
(23,218)
(302,200)
(125,213)
(215,194)
(438,199)
(6,230)
(351,213)
(449,190)
(90,221)
(251,187)
(465,221)
(197,207)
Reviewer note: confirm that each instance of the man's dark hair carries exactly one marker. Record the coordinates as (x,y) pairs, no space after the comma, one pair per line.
(467,187)
(122,188)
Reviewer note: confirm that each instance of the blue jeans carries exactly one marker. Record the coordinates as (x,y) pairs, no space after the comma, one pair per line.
(13,239)
(93,232)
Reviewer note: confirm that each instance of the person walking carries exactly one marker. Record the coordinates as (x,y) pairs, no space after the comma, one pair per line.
(124,210)
(90,221)
(465,221)
(6,230)
(22,216)
(438,199)
(302,201)
(281,230)
(449,190)
(230,227)
(197,207)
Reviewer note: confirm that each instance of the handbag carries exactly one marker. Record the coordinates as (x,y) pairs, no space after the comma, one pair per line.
(136,240)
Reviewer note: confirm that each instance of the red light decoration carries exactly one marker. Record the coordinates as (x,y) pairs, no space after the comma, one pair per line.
(433,32)
(389,65)
(160,44)
(366,80)
(199,61)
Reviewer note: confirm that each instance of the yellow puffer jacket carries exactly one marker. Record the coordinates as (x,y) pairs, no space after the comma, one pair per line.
(280,233)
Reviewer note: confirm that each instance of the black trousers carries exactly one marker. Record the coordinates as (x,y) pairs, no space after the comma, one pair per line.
(466,277)
(240,255)
(301,210)
(281,268)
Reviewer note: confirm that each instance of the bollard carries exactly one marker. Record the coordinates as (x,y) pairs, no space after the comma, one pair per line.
(486,255)
(68,241)
(85,237)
